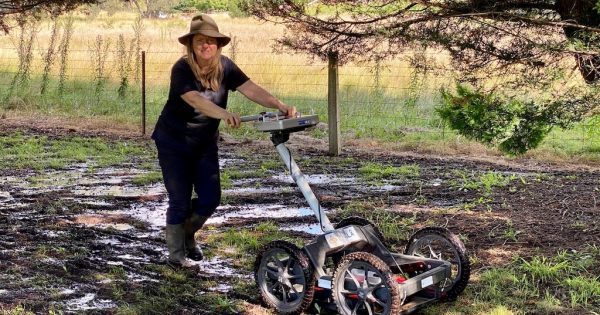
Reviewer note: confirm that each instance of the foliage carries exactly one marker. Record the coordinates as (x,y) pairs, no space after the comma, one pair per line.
(519,36)
(211,5)
(513,125)
(35,7)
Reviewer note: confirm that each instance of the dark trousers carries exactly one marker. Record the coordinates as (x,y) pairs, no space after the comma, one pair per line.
(183,172)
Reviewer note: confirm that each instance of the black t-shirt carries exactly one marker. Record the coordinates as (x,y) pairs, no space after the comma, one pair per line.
(180,126)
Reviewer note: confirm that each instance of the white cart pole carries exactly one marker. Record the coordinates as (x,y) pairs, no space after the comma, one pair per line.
(302,183)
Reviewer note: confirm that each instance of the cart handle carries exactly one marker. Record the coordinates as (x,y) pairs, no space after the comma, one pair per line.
(263,115)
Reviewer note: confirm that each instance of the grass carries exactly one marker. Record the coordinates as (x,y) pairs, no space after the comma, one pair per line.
(484,182)
(242,244)
(377,173)
(537,285)
(40,152)
(147,178)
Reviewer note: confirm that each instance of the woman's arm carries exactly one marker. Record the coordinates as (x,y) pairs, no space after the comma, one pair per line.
(259,95)
(210,109)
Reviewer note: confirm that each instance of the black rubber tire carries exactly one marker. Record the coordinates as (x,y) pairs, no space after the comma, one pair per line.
(386,291)
(461,267)
(300,267)
(358,221)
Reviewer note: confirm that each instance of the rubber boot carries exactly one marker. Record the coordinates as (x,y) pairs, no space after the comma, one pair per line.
(191,226)
(176,244)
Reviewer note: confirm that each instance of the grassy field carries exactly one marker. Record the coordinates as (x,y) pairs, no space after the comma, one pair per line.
(388,102)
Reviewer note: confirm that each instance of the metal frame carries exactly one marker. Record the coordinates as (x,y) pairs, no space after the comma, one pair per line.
(334,240)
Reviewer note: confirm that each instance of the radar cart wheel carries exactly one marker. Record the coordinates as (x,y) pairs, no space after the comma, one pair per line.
(363,284)
(285,277)
(440,243)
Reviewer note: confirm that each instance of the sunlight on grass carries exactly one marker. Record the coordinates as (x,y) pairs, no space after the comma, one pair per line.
(373,171)
(40,152)
(552,282)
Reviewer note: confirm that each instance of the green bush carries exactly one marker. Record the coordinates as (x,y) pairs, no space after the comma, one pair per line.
(232,6)
(514,126)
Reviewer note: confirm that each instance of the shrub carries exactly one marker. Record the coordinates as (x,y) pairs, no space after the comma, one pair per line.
(514,126)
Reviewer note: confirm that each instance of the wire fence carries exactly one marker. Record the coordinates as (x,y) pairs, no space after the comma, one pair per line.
(381,100)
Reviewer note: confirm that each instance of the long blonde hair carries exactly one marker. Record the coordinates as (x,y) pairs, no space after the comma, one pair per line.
(212,78)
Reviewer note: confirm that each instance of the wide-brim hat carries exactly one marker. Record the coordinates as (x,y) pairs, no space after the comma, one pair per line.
(205,25)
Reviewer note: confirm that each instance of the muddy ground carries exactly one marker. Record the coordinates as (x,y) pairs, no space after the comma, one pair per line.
(65,238)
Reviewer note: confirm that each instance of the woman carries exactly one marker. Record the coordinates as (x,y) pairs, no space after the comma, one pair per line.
(186,133)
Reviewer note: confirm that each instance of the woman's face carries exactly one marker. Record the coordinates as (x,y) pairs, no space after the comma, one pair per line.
(205,47)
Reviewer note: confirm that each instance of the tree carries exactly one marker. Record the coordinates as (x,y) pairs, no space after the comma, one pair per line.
(55,7)
(513,49)
(477,33)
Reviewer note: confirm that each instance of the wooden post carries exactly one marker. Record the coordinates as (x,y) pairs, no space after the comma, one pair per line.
(143,92)
(332,105)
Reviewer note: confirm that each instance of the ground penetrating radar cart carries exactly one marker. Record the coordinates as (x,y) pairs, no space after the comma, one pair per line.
(348,269)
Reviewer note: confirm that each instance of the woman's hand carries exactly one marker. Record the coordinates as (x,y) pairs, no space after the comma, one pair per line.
(232,119)
(290,111)
(259,95)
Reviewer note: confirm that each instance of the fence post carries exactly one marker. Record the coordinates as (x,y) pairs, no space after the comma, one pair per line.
(332,105)
(143,92)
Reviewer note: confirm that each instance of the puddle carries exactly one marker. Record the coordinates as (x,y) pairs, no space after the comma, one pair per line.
(94,203)
(229,161)
(309,228)
(52,261)
(384,188)
(130,257)
(317,179)
(222,287)
(145,192)
(260,211)
(17,181)
(255,190)
(139,278)
(88,302)
(118,227)
(101,181)
(219,267)
(12,206)
(118,172)
(154,213)
(66,292)
(109,241)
